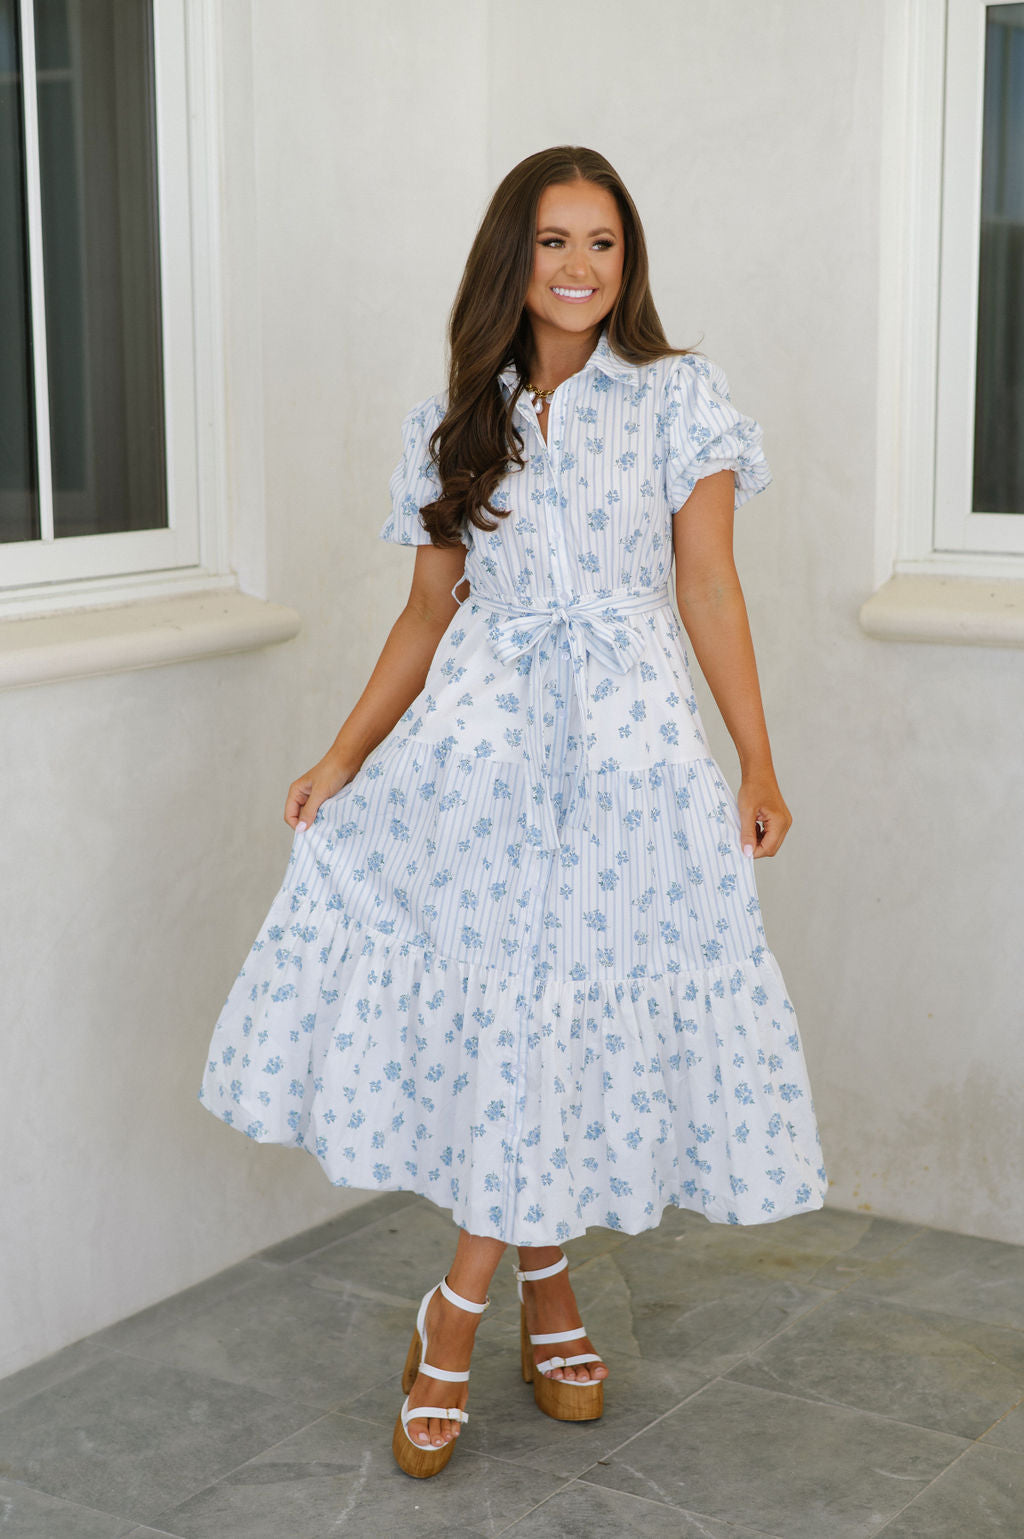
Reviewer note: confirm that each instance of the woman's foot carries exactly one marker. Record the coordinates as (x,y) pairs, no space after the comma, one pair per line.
(450,1335)
(551,1306)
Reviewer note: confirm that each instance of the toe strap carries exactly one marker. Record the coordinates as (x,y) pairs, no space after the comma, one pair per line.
(426,1412)
(569,1362)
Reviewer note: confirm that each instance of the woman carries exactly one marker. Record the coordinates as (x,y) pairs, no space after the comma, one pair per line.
(517,962)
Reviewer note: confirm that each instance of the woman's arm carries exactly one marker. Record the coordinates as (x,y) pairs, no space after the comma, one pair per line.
(712,610)
(397,678)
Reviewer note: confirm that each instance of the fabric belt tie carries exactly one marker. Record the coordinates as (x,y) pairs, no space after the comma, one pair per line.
(596,626)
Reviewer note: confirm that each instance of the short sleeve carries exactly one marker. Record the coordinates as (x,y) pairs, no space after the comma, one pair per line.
(415,481)
(706,433)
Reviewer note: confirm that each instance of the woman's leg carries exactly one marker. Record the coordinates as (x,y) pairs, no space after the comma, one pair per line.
(450,1333)
(551,1306)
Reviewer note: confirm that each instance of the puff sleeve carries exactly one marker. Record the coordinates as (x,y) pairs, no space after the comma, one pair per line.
(705,433)
(415,481)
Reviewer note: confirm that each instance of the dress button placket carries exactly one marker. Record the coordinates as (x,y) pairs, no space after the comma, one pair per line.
(556,445)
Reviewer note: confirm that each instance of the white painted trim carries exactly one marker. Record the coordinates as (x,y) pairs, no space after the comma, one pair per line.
(80,643)
(178,124)
(239,307)
(189,99)
(958,300)
(36,279)
(944,563)
(913,160)
(203,61)
(57,598)
(961,610)
(957,528)
(911,186)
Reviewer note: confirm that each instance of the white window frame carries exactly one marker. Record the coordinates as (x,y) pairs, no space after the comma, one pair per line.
(192,553)
(931,208)
(956,527)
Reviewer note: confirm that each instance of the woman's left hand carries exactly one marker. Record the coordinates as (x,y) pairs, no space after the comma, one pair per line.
(765,819)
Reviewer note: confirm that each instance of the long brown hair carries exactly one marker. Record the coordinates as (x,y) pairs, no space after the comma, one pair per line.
(476,443)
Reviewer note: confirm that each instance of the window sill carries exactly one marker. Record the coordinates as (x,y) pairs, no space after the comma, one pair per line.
(149,633)
(962,611)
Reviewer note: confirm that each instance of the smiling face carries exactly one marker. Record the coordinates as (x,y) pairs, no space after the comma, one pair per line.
(578,257)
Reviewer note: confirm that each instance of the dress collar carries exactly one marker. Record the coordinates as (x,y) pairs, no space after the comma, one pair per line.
(603,358)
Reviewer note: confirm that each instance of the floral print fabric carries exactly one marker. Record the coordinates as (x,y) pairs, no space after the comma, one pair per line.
(517,964)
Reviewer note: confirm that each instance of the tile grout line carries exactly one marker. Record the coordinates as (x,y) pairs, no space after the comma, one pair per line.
(608,1454)
(855,1410)
(925,1308)
(204,1373)
(226,1474)
(101,1353)
(895,1301)
(1008,1412)
(92,1344)
(845,1405)
(927,1487)
(64,1378)
(101,1512)
(675,1512)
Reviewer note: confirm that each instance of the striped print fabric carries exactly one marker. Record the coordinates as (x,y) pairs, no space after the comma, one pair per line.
(540,1036)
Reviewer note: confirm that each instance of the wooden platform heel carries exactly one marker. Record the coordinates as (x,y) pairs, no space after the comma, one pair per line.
(417,1459)
(564,1399)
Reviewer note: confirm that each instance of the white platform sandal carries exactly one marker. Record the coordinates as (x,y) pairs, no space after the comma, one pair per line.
(564,1399)
(419,1459)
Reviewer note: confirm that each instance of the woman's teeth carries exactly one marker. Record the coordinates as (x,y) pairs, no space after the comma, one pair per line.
(573,293)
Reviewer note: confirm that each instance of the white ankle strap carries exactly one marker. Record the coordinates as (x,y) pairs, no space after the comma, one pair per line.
(542,1272)
(456,1298)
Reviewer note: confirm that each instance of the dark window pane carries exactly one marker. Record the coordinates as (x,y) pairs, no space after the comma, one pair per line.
(98,168)
(999,410)
(19,511)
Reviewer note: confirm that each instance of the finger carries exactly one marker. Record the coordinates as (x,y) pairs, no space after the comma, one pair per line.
(772,837)
(298,794)
(310,809)
(748,834)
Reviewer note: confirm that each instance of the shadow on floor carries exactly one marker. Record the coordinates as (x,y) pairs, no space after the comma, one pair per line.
(830,1376)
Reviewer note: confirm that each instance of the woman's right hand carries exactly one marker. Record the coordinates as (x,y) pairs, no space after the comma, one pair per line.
(306,794)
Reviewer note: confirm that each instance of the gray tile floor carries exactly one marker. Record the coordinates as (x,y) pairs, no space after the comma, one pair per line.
(832,1376)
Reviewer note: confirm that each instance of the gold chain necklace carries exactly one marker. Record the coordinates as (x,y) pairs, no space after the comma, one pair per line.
(539,395)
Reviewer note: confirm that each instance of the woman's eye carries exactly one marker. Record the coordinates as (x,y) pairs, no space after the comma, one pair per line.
(556,240)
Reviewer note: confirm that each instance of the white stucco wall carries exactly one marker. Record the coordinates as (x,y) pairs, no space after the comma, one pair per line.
(144,837)
(144,809)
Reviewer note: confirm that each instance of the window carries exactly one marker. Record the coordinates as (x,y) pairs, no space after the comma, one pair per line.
(99,470)
(949,547)
(999,394)
(979,467)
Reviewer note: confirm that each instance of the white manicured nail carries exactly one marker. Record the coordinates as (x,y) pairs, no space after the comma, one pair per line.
(748,850)
(300,828)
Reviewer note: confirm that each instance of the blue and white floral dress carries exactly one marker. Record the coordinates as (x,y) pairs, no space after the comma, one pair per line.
(517,964)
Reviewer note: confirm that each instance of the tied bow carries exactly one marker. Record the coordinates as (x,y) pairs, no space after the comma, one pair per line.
(603,633)
(597,626)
